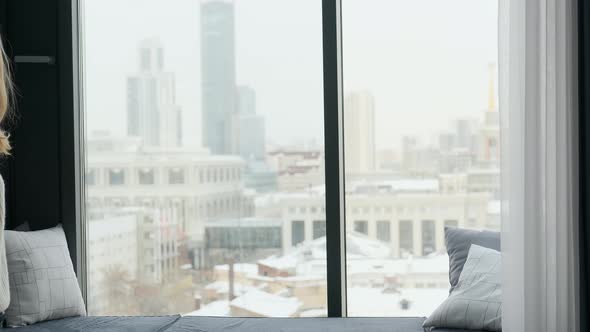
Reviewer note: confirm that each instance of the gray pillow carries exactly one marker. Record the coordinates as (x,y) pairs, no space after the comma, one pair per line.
(476,302)
(42,281)
(458,242)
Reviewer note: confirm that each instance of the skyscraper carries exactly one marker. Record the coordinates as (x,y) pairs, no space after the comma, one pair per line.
(218,76)
(152,113)
(359,132)
(489,151)
(252,131)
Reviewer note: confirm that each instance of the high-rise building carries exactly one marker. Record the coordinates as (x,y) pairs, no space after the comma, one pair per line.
(359,128)
(218,76)
(489,151)
(252,142)
(246,100)
(252,131)
(152,113)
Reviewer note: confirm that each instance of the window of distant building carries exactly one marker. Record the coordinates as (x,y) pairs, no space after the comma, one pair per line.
(361,226)
(428,237)
(116,177)
(176,176)
(297,232)
(146,176)
(406,237)
(384,230)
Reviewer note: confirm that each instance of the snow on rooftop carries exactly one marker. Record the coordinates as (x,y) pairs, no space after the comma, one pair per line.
(215,308)
(357,246)
(222,287)
(245,268)
(437,264)
(266,304)
(320,312)
(363,301)
(398,185)
(374,302)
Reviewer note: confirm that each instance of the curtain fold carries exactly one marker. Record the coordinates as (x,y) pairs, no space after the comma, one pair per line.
(538,107)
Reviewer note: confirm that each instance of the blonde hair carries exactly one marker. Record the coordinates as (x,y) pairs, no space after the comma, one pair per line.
(6,95)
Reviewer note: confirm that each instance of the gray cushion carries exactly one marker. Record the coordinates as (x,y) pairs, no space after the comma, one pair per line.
(316,324)
(476,302)
(228,324)
(458,242)
(42,281)
(104,324)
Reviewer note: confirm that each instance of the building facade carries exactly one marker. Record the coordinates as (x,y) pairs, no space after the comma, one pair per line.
(410,218)
(188,187)
(112,255)
(152,112)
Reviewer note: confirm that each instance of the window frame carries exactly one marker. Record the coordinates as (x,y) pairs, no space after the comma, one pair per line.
(333,148)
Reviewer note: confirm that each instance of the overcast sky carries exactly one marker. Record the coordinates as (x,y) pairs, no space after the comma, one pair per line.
(425,61)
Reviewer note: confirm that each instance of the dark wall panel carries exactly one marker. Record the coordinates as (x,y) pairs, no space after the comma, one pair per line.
(43,174)
(32,173)
(35,178)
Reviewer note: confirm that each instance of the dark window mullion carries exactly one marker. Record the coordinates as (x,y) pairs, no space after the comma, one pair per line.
(334,158)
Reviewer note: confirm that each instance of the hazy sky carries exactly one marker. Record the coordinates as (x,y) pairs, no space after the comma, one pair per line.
(425,61)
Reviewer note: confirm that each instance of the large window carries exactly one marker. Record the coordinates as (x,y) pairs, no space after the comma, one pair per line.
(421,133)
(190,120)
(206,153)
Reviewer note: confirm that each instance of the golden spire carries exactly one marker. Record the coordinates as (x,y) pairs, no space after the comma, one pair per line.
(492,87)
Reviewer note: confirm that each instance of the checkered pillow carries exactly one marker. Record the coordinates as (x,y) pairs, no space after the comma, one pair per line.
(43,285)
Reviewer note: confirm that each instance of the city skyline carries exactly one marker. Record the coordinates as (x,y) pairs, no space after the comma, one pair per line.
(220,211)
(256,65)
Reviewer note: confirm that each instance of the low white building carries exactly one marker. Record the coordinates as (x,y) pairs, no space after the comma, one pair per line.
(408,215)
(195,186)
(112,249)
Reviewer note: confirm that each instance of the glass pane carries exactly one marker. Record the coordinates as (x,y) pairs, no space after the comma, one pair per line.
(205,180)
(421,138)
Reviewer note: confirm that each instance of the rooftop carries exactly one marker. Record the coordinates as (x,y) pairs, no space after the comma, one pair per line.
(266,304)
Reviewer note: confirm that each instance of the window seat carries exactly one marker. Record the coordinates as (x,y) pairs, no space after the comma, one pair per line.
(229,324)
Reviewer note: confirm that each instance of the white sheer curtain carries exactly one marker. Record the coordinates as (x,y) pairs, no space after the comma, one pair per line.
(538,108)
